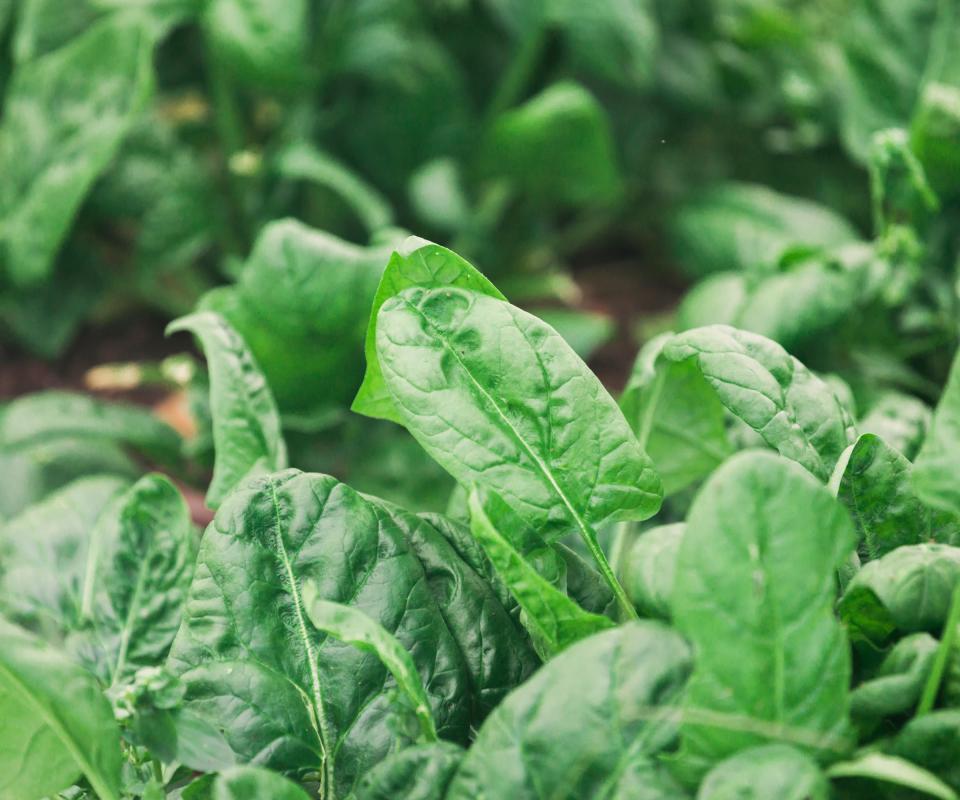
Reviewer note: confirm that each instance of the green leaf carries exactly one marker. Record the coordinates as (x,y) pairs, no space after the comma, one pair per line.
(416,262)
(246,426)
(302,299)
(139,564)
(649,569)
(421,772)
(754,593)
(557,148)
(55,725)
(742,226)
(890,769)
(284,693)
(898,682)
(304,162)
(65,116)
(901,420)
(51,415)
(555,619)
(252,783)
(909,590)
(676,416)
(585,331)
(499,400)
(354,627)
(932,742)
(937,462)
(41,576)
(259,41)
(619,688)
(758,381)
(761,773)
(876,487)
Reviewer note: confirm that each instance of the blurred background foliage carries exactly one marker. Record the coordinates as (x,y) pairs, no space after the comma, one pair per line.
(621,167)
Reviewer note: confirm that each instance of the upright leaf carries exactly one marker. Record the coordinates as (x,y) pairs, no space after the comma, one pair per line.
(416,262)
(55,725)
(246,426)
(555,619)
(286,695)
(759,382)
(533,747)
(756,579)
(64,118)
(939,457)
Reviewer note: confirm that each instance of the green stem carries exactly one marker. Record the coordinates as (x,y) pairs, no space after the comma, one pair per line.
(157,771)
(618,545)
(932,686)
(517,76)
(626,607)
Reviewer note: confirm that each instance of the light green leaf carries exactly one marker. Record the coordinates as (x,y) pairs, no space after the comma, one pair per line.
(939,459)
(933,742)
(556,620)
(416,262)
(246,426)
(253,783)
(649,569)
(758,381)
(763,773)
(754,593)
(891,769)
(354,627)
(65,116)
(55,725)
(421,772)
(901,420)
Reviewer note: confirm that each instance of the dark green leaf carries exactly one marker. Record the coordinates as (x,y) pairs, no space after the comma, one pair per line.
(897,684)
(254,783)
(894,770)
(422,772)
(933,742)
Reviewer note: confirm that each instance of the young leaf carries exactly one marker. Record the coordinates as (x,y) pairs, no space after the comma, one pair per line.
(649,569)
(877,489)
(51,415)
(756,579)
(246,425)
(416,262)
(898,682)
(138,567)
(421,772)
(891,769)
(556,620)
(533,747)
(499,400)
(249,782)
(354,627)
(769,771)
(283,693)
(901,420)
(939,457)
(64,118)
(932,742)
(55,725)
(676,416)
(777,396)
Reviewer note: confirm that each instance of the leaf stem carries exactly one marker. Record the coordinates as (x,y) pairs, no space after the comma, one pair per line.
(626,607)
(932,686)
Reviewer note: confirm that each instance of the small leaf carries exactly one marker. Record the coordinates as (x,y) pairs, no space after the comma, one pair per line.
(246,426)
(649,569)
(421,772)
(891,769)
(761,773)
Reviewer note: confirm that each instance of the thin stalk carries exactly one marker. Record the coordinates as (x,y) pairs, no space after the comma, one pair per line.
(517,77)
(618,545)
(932,686)
(626,607)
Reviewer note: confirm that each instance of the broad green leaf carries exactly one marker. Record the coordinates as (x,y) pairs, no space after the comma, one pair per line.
(421,772)
(437,195)
(557,147)
(766,772)
(416,263)
(555,619)
(584,331)
(909,590)
(301,304)
(304,162)
(284,693)
(901,420)
(252,783)
(649,569)
(898,682)
(742,226)
(758,381)
(932,742)
(52,415)
(939,457)
(258,40)
(55,725)
(138,567)
(64,118)
(754,592)
(534,747)
(877,489)
(894,770)
(676,416)
(354,627)
(246,426)
(44,552)
(714,300)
